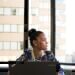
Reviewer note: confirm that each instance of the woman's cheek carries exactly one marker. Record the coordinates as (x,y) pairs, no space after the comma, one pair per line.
(43,44)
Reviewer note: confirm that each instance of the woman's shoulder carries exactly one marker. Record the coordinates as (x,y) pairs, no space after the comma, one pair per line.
(26,55)
(49,53)
(49,56)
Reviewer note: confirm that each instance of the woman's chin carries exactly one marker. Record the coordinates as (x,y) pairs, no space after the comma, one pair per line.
(45,49)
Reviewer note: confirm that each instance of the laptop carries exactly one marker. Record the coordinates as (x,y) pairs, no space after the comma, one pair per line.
(33,68)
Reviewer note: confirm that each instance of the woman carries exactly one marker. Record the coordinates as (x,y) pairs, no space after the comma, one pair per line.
(39,53)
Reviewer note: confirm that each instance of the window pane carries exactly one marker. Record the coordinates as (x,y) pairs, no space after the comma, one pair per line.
(1,28)
(20,28)
(44,0)
(65,31)
(13,45)
(6,45)
(19,45)
(1,45)
(20,11)
(13,11)
(34,11)
(44,18)
(44,5)
(36,26)
(7,11)
(1,11)
(60,31)
(6,28)
(13,28)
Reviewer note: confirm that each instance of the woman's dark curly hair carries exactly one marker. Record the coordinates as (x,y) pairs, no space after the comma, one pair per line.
(33,34)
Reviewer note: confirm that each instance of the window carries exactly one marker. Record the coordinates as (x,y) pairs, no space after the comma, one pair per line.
(13,28)
(44,5)
(1,11)
(6,45)
(13,45)
(34,11)
(19,46)
(44,18)
(59,1)
(20,11)
(20,28)
(10,14)
(36,26)
(1,28)
(6,28)
(60,31)
(13,11)
(65,31)
(7,11)
(1,45)
(44,0)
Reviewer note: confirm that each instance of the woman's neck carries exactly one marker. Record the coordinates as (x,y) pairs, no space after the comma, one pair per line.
(37,53)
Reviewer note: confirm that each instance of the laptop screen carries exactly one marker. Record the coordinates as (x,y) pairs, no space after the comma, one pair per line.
(33,68)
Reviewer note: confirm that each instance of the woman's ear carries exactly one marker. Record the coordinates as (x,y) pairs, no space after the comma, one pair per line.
(34,42)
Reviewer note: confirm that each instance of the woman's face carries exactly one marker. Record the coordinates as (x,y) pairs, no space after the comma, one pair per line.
(41,42)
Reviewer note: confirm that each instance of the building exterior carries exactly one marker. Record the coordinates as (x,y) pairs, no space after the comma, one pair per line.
(60,30)
(65,27)
(11,29)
